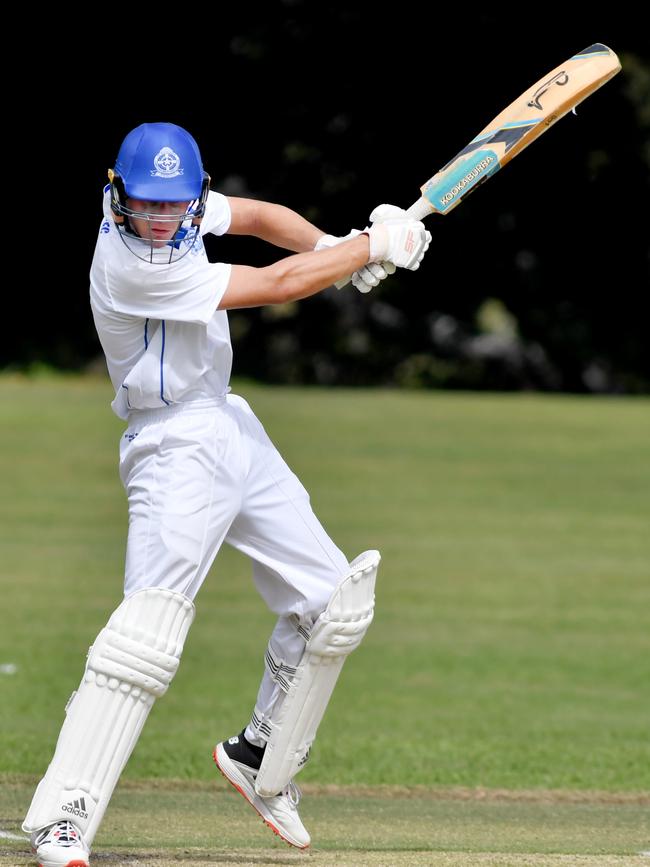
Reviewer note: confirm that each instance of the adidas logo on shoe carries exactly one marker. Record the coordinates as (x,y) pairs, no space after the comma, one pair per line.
(77,808)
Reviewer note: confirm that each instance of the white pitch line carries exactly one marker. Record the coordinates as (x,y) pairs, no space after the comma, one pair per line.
(7,835)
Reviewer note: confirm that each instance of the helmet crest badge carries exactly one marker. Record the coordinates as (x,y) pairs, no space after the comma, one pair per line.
(167,164)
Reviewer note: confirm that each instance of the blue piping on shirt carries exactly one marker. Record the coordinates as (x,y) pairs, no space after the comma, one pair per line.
(162,355)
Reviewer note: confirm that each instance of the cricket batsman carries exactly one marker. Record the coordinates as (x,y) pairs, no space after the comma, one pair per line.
(199,470)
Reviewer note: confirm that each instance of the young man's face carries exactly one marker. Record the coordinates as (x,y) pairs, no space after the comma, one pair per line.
(160,228)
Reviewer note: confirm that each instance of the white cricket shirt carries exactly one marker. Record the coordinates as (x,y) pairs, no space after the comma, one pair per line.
(164,339)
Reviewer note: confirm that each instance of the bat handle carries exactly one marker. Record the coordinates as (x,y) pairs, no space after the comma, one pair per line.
(419,210)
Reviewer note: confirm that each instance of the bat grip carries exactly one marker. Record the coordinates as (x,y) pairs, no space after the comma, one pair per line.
(419,210)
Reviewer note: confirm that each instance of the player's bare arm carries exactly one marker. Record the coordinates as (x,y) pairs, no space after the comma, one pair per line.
(273,223)
(401,242)
(295,277)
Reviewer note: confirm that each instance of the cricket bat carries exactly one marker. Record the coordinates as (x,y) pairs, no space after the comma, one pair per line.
(516,127)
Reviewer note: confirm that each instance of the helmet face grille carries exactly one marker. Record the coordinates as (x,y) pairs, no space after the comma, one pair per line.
(148,250)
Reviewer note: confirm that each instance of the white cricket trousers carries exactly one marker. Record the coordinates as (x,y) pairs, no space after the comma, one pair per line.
(205,472)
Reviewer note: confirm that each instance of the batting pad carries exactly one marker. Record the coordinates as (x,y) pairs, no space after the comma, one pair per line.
(131,663)
(334,635)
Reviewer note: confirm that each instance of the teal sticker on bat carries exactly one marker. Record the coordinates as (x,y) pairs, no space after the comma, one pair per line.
(449,189)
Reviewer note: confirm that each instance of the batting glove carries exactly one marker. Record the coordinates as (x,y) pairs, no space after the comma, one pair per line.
(365,278)
(327,241)
(373,273)
(402,242)
(387,212)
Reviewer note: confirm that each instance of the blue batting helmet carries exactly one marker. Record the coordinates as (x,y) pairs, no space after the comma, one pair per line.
(160,162)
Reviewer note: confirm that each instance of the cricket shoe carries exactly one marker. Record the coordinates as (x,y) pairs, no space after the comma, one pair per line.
(239,761)
(60,845)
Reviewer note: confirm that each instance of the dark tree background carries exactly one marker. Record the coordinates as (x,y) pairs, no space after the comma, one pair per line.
(540,280)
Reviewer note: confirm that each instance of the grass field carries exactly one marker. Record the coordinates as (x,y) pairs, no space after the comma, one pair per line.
(200,823)
(509,659)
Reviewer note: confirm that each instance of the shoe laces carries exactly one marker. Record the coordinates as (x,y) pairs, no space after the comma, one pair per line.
(293,793)
(63,833)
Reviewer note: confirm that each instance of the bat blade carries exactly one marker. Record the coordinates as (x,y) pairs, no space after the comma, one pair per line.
(524,120)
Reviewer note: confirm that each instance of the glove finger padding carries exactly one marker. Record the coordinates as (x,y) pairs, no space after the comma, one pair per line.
(373,271)
(402,242)
(368,277)
(361,284)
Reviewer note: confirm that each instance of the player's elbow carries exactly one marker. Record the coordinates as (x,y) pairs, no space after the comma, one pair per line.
(287,283)
(279,286)
(288,290)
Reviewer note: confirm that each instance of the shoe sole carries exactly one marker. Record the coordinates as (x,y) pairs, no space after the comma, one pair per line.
(235,781)
(76,862)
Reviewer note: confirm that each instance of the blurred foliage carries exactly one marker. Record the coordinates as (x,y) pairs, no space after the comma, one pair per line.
(330,111)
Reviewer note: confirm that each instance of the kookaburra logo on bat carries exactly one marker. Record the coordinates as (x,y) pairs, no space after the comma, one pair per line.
(560,78)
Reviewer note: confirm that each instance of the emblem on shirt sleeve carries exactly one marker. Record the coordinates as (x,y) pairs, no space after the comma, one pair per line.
(167,164)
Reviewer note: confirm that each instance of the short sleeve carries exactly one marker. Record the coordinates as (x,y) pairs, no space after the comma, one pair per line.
(217,215)
(181,294)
